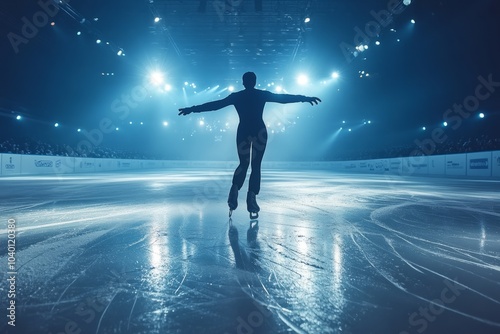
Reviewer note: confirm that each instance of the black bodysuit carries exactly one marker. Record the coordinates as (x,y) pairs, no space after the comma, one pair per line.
(252,133)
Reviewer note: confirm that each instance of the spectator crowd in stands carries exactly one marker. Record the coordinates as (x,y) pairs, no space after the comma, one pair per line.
(37,147)
(461,145)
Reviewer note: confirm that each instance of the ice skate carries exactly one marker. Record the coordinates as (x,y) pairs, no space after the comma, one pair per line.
(232,200)
(252,206)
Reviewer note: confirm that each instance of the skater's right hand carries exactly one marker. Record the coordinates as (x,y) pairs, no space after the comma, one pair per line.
(185,111)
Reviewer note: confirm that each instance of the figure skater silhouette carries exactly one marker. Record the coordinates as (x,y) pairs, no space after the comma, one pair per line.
(251,137)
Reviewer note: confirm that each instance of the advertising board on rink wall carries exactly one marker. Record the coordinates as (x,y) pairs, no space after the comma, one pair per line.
(416,165)
(456,164)
(11,164)
(437,165)
(85,165)
(478,164)
(495,164)
(39,164)
(396,166)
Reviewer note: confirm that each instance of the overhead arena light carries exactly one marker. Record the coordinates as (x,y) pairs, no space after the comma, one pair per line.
(302,79)
(156,78)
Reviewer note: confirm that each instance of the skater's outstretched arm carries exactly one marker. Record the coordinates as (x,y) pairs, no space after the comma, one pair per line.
(209,106)
(288,98)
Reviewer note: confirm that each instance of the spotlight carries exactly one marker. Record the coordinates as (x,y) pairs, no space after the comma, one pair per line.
(412,21)
(117,129)
(307,20)
(18,117)
(369,122)
(79,130)
(360,48)
(168,87)
(98,41)
(52,23)
(56,125)
(165,123)
(406,2)
(156,78)
(424,128)
(202,123)
(120,52)
(142,123)
(350,130)
(230,88)
(130,123)
(481,115)
(78,33)
(278,89)
(302,79)
(96,19)
(157,19)
(335,75)
(445,123)
(377,43)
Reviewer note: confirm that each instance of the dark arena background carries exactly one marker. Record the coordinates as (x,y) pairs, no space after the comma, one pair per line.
(379,206)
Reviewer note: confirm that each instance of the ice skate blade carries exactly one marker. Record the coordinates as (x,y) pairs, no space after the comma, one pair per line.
(254,215)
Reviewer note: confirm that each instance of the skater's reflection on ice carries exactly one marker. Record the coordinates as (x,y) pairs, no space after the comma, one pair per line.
(235,245)
(250,261)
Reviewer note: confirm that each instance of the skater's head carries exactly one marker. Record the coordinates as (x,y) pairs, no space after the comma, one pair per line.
(249,80)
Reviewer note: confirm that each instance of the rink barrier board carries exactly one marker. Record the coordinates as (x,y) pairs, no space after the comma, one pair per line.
(478,164)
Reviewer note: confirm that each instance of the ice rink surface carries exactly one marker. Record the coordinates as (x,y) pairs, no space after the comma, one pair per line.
(155,252)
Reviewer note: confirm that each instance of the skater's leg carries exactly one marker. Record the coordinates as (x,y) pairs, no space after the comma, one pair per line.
(258,149)
(243,145)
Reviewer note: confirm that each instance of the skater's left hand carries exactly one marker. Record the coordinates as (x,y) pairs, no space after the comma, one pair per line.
(313,100)
(185,111)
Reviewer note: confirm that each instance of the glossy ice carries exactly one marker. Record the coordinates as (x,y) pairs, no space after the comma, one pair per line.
(155,252)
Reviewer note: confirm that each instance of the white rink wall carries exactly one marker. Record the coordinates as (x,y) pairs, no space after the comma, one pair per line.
(480,164)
